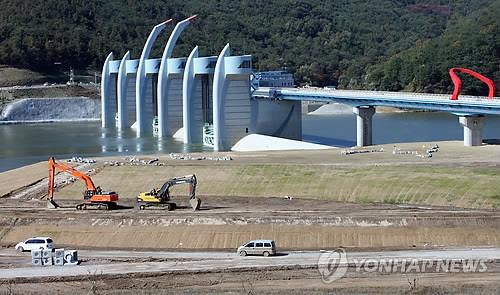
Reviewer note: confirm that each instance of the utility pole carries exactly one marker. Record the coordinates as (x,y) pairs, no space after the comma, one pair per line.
(71,76)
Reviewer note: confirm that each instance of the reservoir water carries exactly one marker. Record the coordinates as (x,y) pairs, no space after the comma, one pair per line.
(26,144)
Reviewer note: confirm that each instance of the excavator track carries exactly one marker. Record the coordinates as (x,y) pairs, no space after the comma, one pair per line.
(96,206)
(157,206)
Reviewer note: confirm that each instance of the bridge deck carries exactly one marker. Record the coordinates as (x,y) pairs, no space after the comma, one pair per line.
(467,105)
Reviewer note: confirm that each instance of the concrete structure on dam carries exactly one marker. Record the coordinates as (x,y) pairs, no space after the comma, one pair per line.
(197,99)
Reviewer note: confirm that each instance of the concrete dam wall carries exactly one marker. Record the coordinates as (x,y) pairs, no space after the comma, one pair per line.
(52,109)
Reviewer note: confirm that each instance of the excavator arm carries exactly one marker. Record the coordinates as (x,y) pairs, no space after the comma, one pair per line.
(161,197)
(164,193)
(53,166)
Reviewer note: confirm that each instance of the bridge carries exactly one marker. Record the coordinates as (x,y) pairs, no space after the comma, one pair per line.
(469,109)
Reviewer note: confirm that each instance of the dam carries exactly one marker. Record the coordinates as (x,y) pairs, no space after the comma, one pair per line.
(194,99)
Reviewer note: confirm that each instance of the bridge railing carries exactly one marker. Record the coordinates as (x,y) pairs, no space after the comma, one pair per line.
(376,94)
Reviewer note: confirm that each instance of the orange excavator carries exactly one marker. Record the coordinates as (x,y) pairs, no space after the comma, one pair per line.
(93,196)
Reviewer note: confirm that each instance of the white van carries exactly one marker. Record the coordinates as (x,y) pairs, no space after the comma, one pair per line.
(36,243)
(258,247)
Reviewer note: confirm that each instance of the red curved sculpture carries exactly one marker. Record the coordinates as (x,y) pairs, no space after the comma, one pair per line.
(458,82)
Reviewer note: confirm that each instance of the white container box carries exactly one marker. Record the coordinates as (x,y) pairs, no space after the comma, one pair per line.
(47,261)
(71,256)
(36,254)
(36,261)
(46,253)
(59,261)
(59,253)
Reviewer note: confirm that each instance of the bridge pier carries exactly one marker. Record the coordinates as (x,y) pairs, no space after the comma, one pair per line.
(364,125)
(473,126)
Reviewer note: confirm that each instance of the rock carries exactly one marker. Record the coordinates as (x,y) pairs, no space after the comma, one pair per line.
(82,160)
(152,161)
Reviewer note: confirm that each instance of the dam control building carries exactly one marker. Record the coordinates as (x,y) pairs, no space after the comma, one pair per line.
(195,99)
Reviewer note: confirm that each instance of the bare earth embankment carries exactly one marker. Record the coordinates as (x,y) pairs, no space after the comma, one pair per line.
(47,103)
(304,200)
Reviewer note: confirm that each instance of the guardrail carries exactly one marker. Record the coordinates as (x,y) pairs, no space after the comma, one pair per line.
(278,93)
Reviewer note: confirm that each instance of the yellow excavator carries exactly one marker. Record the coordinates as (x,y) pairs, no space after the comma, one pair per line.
(160,198)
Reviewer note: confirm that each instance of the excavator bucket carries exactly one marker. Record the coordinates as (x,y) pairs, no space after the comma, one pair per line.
(195,203)
(51,204)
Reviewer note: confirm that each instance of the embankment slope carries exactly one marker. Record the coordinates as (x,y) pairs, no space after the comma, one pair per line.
(303,199)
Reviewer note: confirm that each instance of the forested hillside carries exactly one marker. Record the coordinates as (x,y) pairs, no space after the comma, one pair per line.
(383,44)
(471,42)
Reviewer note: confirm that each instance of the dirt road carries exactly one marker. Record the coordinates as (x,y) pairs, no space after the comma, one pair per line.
(230,261)
(112,272)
